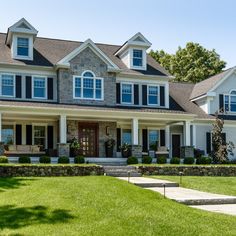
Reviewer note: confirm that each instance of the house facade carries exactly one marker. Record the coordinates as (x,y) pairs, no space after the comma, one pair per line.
(52,91)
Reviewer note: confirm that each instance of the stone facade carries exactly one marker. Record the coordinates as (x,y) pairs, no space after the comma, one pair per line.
(86,60)
(136,150)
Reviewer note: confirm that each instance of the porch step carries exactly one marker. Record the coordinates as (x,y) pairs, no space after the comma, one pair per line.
(121,171)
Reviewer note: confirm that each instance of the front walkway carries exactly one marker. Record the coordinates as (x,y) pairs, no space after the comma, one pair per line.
(194,198)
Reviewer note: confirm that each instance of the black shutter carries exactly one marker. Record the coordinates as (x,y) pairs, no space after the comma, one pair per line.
(50,137)
(162,137)
(50,88)
(29,134)
(224,138)
(118,136)
(18,86)
(221,102)
(145,141)
(28,86)
(136,94)
(18,134)
(144,92)
(162,96)
(118,93)
(208,142)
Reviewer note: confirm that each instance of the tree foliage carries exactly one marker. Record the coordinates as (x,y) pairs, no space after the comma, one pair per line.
(193,63)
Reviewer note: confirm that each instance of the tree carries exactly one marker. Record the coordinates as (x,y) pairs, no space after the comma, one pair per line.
(193,63)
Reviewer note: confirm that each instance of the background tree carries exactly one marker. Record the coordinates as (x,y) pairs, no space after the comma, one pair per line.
(193,63)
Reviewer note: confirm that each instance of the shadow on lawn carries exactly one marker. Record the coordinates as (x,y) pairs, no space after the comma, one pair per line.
(12,183)
(12,217)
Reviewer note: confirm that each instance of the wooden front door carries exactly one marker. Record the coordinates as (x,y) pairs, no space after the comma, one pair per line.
(176,142)
(88,139)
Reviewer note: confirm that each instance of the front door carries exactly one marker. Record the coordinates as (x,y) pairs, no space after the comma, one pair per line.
(176,142)
(88,139)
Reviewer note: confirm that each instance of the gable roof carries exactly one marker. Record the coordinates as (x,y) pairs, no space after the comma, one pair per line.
(206,85)
(48,52)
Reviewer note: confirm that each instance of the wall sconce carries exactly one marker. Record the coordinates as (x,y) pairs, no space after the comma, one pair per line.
(107,130)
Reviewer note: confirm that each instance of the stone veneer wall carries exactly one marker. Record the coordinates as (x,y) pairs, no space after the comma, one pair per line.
(86,60)
(193,170)
(102,137)
(49,170)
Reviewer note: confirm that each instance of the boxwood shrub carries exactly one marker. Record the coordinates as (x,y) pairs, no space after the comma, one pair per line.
(45,159)
(175,160)
(203,160)
(79,160)
(132,160)
(161,160)
(63,160)
(3,159)
(24,160)
(189,160)
(147,160)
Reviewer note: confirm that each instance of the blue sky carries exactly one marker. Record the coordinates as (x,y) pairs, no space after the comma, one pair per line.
(166,23)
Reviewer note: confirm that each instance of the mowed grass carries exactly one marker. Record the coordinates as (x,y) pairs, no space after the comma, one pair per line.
(221,185)
(98,205)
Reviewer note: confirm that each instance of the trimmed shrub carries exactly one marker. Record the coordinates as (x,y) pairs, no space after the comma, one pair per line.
(45,159)
(203,160)
(79,160)
(233,161)
(24,160)
(132,160)
(189,160)
(147,160)
(161,160)
(175,160)
(3,159)
(63,160)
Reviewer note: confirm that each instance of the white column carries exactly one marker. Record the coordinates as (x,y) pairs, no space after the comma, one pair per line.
(62,128)
(135,131)
(194,135)
(187,133)
(0,127)
(167,137)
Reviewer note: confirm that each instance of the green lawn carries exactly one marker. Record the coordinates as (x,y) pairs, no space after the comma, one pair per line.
(98,206)
(222,185)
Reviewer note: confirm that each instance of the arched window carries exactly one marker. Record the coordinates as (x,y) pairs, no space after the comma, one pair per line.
(230,101)
(88,86)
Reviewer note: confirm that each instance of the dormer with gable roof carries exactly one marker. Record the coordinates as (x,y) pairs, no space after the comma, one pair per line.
(133,52)
(20,38)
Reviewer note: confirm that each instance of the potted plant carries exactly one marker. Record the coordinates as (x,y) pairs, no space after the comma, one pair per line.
(74,147)
(125,150)
(109,146)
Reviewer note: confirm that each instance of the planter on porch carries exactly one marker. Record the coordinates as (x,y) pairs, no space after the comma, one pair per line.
(109,146)
(125,150)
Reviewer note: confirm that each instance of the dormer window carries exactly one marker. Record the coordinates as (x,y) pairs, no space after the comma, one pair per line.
(22,47)
(137,57)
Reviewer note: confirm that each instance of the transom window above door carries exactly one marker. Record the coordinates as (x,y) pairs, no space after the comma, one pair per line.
(88,86)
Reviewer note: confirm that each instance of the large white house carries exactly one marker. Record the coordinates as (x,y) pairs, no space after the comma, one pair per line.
(54,90)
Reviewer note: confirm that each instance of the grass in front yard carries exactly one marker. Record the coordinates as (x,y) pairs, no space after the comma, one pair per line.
(213,184)
(96,205)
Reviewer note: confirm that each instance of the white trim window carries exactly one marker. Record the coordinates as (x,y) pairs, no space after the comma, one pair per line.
(153,95)
(153,139)
(88,86)
(127,93)
(40,136)
(7,84)
(39,87)
(230,101)
(22,46)
(137,57)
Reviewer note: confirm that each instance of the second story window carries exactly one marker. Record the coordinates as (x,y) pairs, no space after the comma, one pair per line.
(23,47)
(230,101)
(7,85)
(88,86)
(153,95)
(137,58)
(39,87)
(127,93)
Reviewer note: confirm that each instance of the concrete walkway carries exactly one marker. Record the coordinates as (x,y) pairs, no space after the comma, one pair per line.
(202,200)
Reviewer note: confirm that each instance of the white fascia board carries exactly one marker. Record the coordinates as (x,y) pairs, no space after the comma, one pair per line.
(146,77)
(88,43)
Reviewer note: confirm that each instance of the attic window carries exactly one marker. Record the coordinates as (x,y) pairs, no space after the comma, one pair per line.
(137,57)
(22,47)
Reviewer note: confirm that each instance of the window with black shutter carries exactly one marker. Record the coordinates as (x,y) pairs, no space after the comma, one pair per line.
(18,86)
(50,88)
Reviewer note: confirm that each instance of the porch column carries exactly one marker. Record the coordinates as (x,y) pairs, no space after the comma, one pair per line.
(167,137)
(1,143)
(194,135)
(136,149)
(187,138)
(187,150)
(62,129)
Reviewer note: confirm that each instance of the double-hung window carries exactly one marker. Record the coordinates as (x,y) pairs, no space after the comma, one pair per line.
(7,85)
(39,87)
(153,138)
(40,136)
(126,136)
(22,47)
(8,134)
(153,95)
(88,86)
(127,93)
(230,101)
(137,58)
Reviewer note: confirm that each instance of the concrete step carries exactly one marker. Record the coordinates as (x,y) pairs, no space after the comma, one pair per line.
(207,201)
(123,174)
(157,185)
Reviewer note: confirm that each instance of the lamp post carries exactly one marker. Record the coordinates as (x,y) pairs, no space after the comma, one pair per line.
(128,176)
(164,187)
(180,177)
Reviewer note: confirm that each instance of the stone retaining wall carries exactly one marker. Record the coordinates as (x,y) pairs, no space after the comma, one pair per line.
(189,170)
(49,170)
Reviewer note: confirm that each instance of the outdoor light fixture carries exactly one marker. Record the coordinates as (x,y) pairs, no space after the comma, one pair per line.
(128,176)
